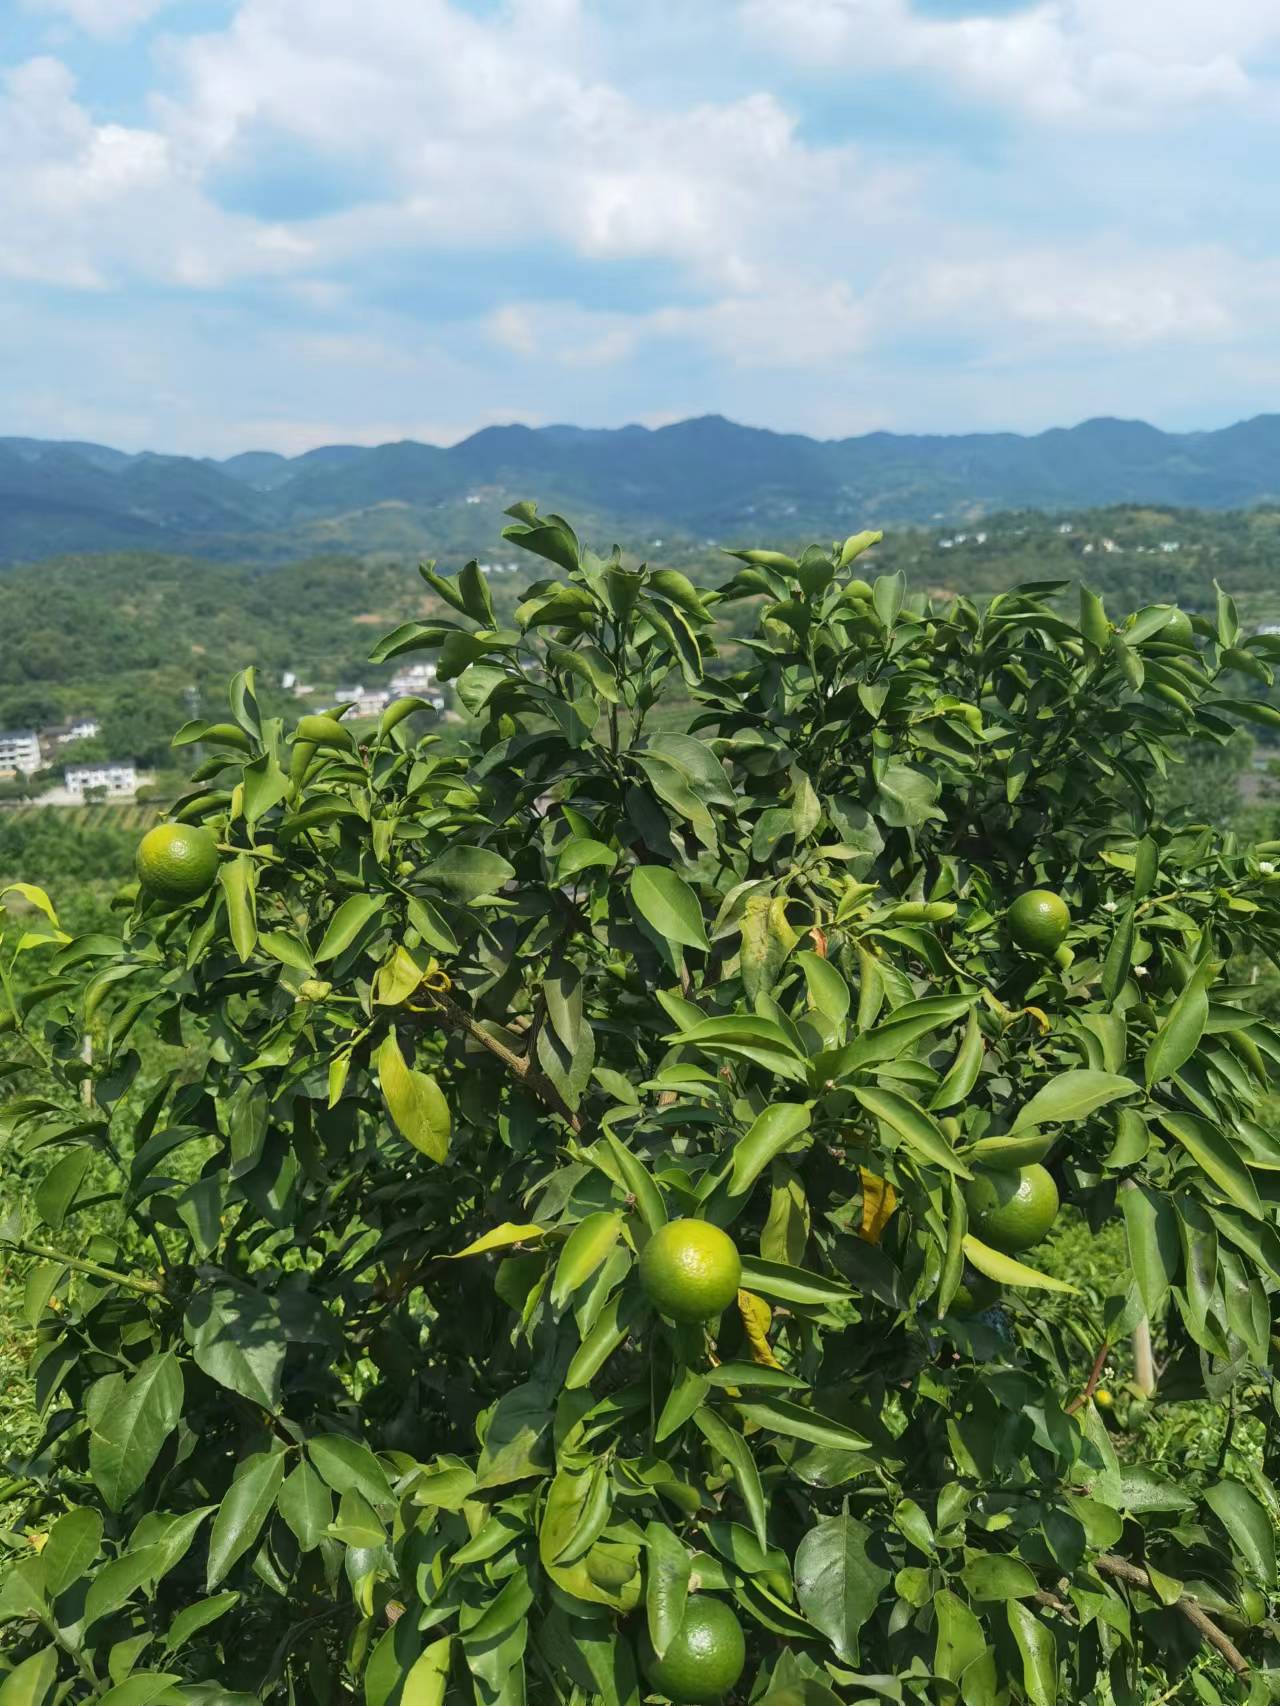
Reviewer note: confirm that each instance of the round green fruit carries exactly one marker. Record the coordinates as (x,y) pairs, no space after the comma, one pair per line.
(177,862)
(974,1293)
(1012,1208)
(690,1270)
(1038,921)
(704,1659)
(1177,631)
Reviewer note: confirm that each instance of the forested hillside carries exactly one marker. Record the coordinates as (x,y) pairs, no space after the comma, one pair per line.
(697,480)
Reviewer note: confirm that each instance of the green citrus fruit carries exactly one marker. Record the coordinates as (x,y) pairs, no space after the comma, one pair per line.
(974,1293)
(1039,921)
(1177,631)
(690,1270)
(705,1658)
(1012,1208)
(177,862)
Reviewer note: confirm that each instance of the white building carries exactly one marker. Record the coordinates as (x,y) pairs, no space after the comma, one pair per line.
(414,678)
(112,779)
(83,728)
(364,701)
(19,752)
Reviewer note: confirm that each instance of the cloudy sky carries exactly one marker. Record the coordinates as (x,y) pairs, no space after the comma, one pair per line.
(276,223)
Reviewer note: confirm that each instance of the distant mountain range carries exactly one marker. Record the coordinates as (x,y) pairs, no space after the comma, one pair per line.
(704,479)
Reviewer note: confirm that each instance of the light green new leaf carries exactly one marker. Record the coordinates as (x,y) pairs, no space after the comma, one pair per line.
(415,1101)
(238,884)
(1006,1271)
(585,1248)
(500,1238)
(29,1683)
(72,1546)
(1039,1654)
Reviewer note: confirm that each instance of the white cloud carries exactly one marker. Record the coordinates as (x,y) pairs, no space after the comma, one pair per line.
(1119,61)
(101,17)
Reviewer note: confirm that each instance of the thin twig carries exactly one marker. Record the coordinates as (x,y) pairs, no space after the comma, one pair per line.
(1191,1609)
(149,1288)
(1090,1385)
(520,1066)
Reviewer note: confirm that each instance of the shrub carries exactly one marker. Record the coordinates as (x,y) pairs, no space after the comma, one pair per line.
(350,1379)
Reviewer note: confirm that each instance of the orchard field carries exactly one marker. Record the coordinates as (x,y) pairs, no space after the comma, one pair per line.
(532,1221)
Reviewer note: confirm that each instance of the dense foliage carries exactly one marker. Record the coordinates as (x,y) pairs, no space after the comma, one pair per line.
(357,1389)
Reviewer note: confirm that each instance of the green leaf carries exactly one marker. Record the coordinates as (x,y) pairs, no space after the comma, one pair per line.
(498,1238)
(466,873)
(737,1454)
(1250,1528)
(837,1583)
(780,1417)
(666,1585)
(828,991)
(772,1132)
(415,1101)
(129,1421)
(792,1285)
(1071,1096)
(29,1682)
(668,905)
(1006,1271)
(116,1583)
(1214,1155)
(197,1616)
(639,1183)
(73,1544)
(352,917)
(57,1191)
(1039,1655)
(1155,1248)
(238,885)
(963,1072)
(992,1575)
(243,1511)
(918,1130)
(1177,1039)
(306,1504)
(584,1250)
(747,1038)
(349,1467)
(141,1688)
(428,1679)
(238,1339)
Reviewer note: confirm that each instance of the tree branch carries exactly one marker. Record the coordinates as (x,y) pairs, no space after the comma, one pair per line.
(149,1288)
(1090,1385)
(521,1067)
(1191,1609)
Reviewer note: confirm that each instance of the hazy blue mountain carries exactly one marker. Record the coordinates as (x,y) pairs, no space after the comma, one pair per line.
(702,479)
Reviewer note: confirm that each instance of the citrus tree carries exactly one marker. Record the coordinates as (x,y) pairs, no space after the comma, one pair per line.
(558,1217)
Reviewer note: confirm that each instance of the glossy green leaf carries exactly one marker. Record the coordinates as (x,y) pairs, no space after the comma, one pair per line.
(668,905)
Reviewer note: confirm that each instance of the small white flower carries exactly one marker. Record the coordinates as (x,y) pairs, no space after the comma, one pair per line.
(1139,971)
(1108,906)
(1265,866)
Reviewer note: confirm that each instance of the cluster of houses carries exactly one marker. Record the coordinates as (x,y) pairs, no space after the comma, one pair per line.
(24,752)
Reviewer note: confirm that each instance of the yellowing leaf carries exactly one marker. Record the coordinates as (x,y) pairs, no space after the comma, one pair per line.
(1005,1271)
(879,1199)
(757,1318)
(498,1239)
(415,1100)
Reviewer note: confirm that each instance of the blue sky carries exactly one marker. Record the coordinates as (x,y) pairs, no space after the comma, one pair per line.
(228,224)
